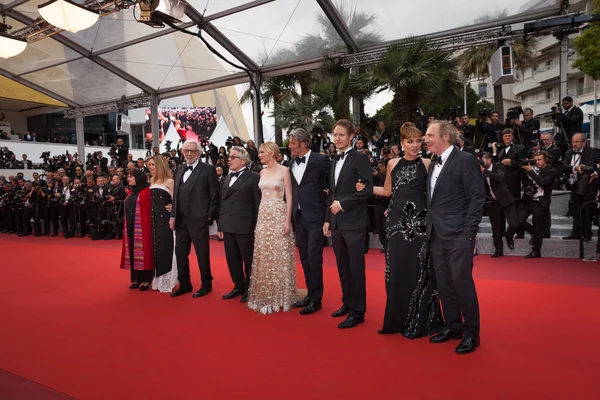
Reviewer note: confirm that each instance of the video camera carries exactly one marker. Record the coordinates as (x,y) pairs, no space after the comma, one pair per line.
(454,112)
(514,113)
(527,161)
(203,141)
(229,142)
(556,111)
(113,150)
(168,144)
(45,155)
(483,113)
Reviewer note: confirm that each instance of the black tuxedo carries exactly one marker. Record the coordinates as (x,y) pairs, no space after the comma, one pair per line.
(589,157)
(468,149)
(513,172)
(500,205)
(122,152)
(309,204)
(455,211)
(537,205)
(195,206)
(237,220)
(571,121)
(349,227)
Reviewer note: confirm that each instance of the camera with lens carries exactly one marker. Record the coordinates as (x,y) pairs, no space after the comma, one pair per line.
(370,123)
(556,108)
(528,192)
(417,111)
(483,113)
(45,155)
(514,113)
(454,112)
(530,162)
(203,141)
(229,142)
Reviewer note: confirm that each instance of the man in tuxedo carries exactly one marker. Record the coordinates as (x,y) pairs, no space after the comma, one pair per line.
(510,155)
(570,121)
(455,199)
(462,145)
(499,204)
(122,151)
(537,199)
(240,200)
(346,222)
(582,190)
(195,206)
(310,178)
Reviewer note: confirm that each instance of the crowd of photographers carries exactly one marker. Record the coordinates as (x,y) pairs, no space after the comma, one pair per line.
(520,169)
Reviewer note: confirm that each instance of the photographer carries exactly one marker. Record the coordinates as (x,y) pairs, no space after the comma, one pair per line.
(210,152)
(579,164)
(536,199)
(570,121)
(461,144)
(529,128)
(121,150)
(320,140)
(490,127)
(510,155)
(114,208)
(467,129)
(67,214)
(554,153)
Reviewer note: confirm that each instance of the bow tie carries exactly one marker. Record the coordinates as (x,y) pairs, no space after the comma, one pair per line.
(300,160)
(340,156)
(190,168)
(236,174)
(577,152)
(437,160)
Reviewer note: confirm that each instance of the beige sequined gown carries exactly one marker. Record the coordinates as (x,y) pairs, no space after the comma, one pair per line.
(273,281)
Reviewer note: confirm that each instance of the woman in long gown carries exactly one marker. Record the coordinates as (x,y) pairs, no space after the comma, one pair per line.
(161,190)
(273,279)
(412,306)
(137,254)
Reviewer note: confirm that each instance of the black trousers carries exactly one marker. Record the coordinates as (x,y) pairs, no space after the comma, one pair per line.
(539,221)
(190,231)
(27,213)
(583,220)
(239,250)
(67,219)
(141,276)
(498,217)
(348,246)
(309,238)
(453,261)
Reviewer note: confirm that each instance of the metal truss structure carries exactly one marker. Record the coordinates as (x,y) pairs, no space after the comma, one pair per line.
(354,55)
(130,104)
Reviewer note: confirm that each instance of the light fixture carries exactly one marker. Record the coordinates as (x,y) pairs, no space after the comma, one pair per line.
(67,15)
(10,46)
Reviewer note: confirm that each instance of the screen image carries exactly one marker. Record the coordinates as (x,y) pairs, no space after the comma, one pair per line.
(189,123)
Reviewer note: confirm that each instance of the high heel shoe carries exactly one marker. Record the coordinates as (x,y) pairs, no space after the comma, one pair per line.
(134,285)
(144,287)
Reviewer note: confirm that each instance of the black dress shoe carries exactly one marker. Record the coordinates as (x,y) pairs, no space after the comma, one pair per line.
(134,286)
(244,298)
(235,292)
(302,303)
(341,312)
(351,322)
(143,288)
(445,335)
(534,254)
(467,345)
(497,254)
(520,236)
(311,308)
(181,290)
(510,243)
(571,236)
(203,291)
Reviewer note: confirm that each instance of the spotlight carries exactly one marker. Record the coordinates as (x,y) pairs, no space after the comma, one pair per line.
(10,46)
(67,15)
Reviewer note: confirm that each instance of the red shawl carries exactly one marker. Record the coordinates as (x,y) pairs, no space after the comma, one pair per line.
(143,257)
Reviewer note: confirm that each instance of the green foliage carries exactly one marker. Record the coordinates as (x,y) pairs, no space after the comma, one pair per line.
(588,48)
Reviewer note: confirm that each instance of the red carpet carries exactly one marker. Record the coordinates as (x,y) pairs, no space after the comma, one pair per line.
(69,323)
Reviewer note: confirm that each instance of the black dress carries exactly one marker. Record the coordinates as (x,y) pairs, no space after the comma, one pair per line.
(162,235)
(412,306)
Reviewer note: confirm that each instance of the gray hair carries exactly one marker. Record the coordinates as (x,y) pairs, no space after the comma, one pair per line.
(301,135)
(460,137)
(195,143)
(244,156)
(445,127)
(547,133)
(528,110)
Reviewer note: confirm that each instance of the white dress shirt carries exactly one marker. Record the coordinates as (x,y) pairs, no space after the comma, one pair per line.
(487,178)
(339,164)
(437,168)
(187,172)
(298,169)
(235,178)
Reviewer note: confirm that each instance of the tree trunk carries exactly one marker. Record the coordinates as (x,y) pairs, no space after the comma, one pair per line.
(278,128)
(399,108)
(499,101)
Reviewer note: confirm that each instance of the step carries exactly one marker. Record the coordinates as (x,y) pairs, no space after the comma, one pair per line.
(555,247)
(561,226)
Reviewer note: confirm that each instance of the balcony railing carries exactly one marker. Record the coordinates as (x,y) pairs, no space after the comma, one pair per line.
(546,101)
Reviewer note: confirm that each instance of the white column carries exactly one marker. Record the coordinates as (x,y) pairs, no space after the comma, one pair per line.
(154,121)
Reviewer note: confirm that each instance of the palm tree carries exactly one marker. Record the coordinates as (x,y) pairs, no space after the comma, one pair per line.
(474,61)
(414,71)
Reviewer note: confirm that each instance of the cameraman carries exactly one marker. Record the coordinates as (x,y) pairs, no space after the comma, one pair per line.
(570,121)
(529,128)
(579,164)
(320,140)
(554,153)
(114,207)
(500,204)
(536,199)
(121,151)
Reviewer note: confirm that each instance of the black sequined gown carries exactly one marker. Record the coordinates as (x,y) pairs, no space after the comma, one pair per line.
(412,306)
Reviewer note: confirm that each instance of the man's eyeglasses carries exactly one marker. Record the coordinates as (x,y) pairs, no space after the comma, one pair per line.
(190,151)
(232,157)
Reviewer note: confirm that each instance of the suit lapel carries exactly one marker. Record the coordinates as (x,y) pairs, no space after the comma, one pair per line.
(226,186)
(192,178)
(237,182)
(349,160)
(443,172)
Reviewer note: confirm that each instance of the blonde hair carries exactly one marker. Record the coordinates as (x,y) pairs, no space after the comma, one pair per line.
(445,127)
(163,172)
(271,148)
